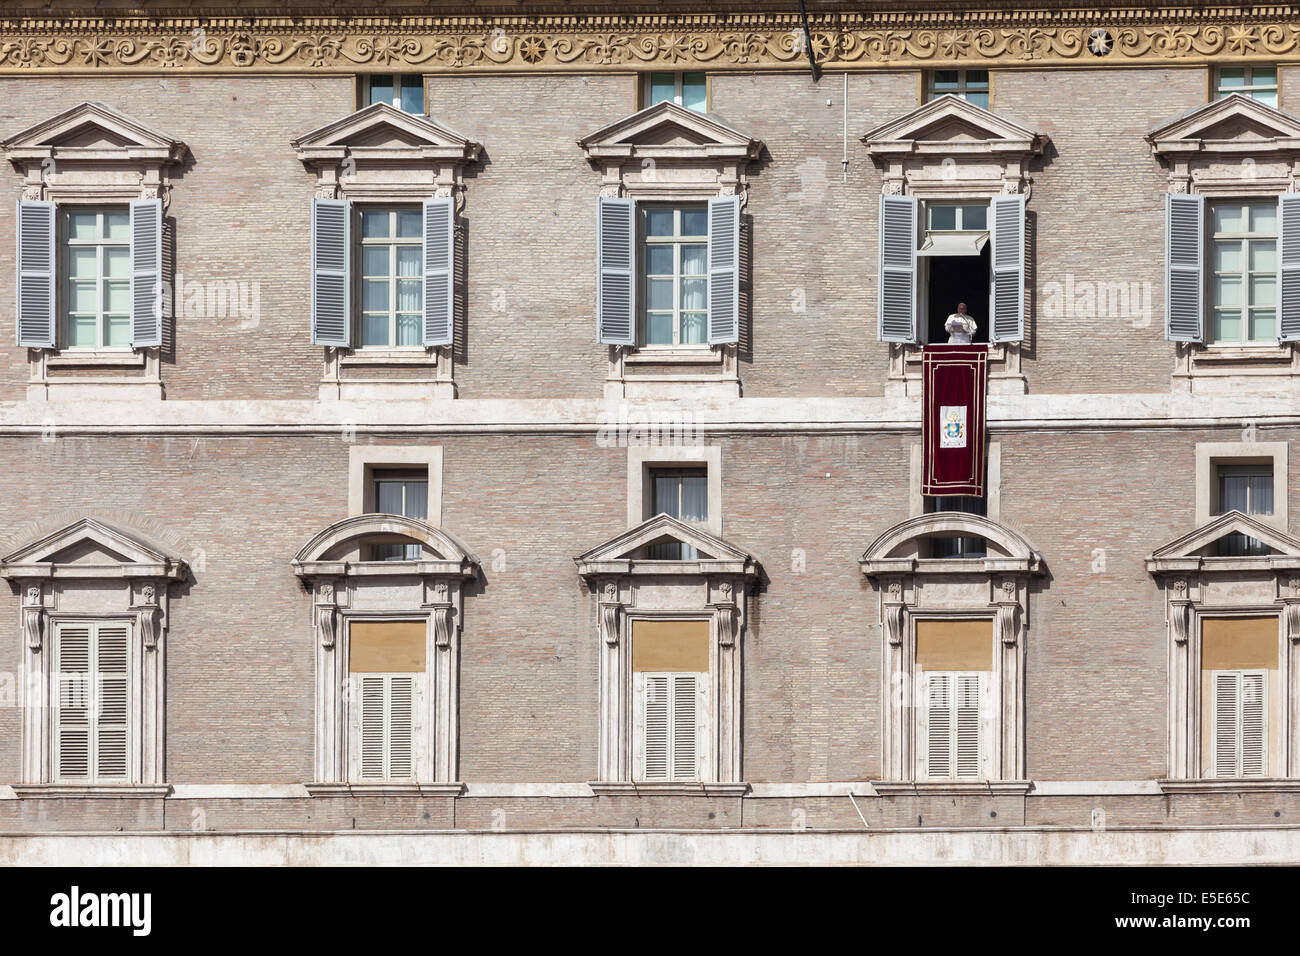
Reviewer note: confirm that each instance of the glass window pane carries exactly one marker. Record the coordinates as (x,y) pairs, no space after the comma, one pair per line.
(693,328)
(1232,76)
(117,332)
(693,260)
(943,217)
(1262,325)
(1226,217)
(1227,256)
(1227,291)
(82,297)
(381,89)
(408,330)
(375,297)
(945,79)
(694,91)
(659,328)
(974,217)
(81,332)
(659,260)
(374,330)
(117,262)
(117,225)
(82,262)
(409,225)
(388,497)
(693,294)
(1263,256)
(410,295)
(417,499)
(117,297)
(1261,495)
(1263,291)
(695,498)
(82,224)
(408,261)
(1263,218)
(667,491)
(413,94)
(663,86)
(977,78)
(374,260)
(695,222)
(1263,76)
(1227,326)
(1267,97)
(374,223)
(659,222)
(978,99)
(659,294)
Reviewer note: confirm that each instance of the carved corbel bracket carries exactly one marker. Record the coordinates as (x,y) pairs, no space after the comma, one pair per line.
(611,610)
(33,617)
(1180,618)
(895,603)
(326,614)
(442,626)
(723,600)
(147,615)
(1291,611)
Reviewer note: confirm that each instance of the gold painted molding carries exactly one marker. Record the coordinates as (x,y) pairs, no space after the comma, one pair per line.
(636,42)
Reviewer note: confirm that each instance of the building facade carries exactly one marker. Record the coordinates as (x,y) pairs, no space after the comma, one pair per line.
(504,432)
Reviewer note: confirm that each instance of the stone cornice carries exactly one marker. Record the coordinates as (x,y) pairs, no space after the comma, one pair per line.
(227,41)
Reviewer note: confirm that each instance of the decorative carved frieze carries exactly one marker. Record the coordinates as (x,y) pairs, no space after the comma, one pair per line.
(689,41)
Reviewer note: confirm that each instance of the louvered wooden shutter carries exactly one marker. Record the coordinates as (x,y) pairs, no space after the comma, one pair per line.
(655,726)
(401,729)
(1254,724)
(439,270)
(1288,278)
(146,273)
(386,708)
(1184,225)
(966,732)
(685,727)
(372,708)
(616,271)
(1007,284)
(1227,728)
(331,231)
(938,726)
(1239,714)
(724,270)
(73,701)
(896,299)
(35,256)
(111,706)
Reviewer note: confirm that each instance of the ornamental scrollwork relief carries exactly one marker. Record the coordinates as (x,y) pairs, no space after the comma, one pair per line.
(690,42)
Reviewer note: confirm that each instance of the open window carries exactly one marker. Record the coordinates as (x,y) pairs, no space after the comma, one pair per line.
(953,266)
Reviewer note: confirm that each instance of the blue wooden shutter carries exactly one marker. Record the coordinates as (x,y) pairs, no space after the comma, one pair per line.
(616,271)
(439,270)
(146,273)
(1288,272)
(896,297)
(724,270)
(331,230)
(1184,295)
(36,274)
(1007,258)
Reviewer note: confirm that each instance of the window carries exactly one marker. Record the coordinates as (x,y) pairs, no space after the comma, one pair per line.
(386,667)
(1257,82)
(970,85)
(97,264)
(1238,660)
(670,668)
(403,90)
(91,724)
(953,266)
(679,493)
(1247,488)
(1243,284)
(400,492)
(957,547)
(392,277)
(952,660)
(675,242)
(957,217)
(690,90)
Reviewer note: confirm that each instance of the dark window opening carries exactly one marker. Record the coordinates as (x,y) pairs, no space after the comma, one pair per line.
(400,492)
(953,279)
(960,547)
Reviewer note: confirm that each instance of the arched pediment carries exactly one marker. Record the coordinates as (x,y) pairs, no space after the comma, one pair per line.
(337,545)
(1194,550)
(627,552)
(897,548)
(89,548)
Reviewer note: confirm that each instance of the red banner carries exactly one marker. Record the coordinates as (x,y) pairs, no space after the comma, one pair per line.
(954,379)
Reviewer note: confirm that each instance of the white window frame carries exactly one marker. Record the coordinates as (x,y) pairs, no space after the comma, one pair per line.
(677,241)
(1209,456)
(703,726)
(921,728)
(678,87)
(392,242)
(1239,719)
(354,716)
(365,460)
(1248,87)
(1247,239)
(929,205)
(400,81)
(963,88)
(643,459)
(100,243)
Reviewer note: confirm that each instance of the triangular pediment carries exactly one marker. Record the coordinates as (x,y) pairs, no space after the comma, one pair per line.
(382,126)
(93,126)
(634,544)
(90,542)
(667,125)
(1234,119)
(1198,544)
(951,119)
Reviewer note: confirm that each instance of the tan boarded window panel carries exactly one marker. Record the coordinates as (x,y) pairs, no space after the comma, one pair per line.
(386,647)
(954,645)
(1238,643)
(670,646)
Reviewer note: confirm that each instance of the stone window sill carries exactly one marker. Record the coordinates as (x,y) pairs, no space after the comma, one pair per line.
(454,789)
(409,356)
(111,791)
(1231,785)
(667,789)
(677,355)
(106,358)
(940,788)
